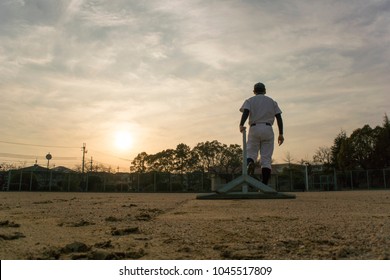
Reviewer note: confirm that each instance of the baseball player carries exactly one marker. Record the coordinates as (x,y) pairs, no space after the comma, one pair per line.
(262,111)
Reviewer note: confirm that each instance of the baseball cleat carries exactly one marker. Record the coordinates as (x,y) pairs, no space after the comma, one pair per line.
(251,168)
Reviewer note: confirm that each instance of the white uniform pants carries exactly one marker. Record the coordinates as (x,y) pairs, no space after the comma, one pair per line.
(261,138)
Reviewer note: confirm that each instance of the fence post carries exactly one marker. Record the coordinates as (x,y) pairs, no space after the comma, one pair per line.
(20,181)
(50,179)
(202,180)
(170,182)
(351,180)
(154,181)
(306,178)
(31,179)
(368,180)
(9,180)
(138,181)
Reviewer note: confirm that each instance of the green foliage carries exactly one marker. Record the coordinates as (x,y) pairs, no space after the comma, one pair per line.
(206,156)
(365,148)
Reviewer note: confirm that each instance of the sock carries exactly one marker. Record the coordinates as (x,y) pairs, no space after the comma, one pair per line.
(266,174)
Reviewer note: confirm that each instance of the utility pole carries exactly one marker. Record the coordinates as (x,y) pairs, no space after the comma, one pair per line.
(84,152)
(91,163)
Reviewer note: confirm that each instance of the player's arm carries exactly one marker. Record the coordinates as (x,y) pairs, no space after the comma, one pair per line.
(279,121)
(244,117)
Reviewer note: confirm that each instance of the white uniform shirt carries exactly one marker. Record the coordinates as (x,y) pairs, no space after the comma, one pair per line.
(262,109)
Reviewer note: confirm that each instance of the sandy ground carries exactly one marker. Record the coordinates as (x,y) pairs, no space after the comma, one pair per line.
(321,225)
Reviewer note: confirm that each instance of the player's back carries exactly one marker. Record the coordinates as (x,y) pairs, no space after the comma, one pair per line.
(262,109)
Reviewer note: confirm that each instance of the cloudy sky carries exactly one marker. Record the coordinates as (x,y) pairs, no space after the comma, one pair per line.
(171,71)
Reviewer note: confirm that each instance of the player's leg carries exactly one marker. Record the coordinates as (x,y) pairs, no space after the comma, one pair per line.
(252,149)
(266,151)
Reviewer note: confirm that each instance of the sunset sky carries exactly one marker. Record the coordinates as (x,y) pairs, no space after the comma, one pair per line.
(161,73)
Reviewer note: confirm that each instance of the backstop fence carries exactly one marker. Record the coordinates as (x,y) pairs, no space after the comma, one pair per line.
(288,181)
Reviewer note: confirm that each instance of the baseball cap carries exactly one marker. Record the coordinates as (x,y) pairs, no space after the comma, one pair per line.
(259,87)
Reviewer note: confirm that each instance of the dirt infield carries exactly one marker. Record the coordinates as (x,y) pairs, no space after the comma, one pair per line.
(321,225)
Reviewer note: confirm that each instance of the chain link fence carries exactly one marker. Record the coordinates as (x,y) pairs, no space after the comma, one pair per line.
(17,180)
(288,181)
(351,180)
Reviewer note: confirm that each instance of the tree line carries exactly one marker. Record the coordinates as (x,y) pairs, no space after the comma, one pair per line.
(205,156)
(366,148)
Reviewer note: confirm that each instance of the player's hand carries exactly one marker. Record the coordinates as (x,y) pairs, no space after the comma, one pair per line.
(242,128)
(280,139)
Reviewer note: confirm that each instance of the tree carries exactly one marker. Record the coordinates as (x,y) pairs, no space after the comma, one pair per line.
(162,161)
(7,166)
(208,154)
(288,158)
(184,160)
(382,146)
(344,158)
(323,156)
(363,141)
(338,142)
(366,148)
(231,158)
(139,163)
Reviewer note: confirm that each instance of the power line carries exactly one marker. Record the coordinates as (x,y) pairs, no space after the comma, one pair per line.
(19,157)
(110,155)
(35,145)
(10,155)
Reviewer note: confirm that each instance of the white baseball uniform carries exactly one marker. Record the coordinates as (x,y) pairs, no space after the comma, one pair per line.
(262,111)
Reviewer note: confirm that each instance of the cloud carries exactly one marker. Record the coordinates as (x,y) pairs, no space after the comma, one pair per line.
(177,71)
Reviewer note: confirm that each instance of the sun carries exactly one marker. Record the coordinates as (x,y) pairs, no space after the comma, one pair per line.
(123,140)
